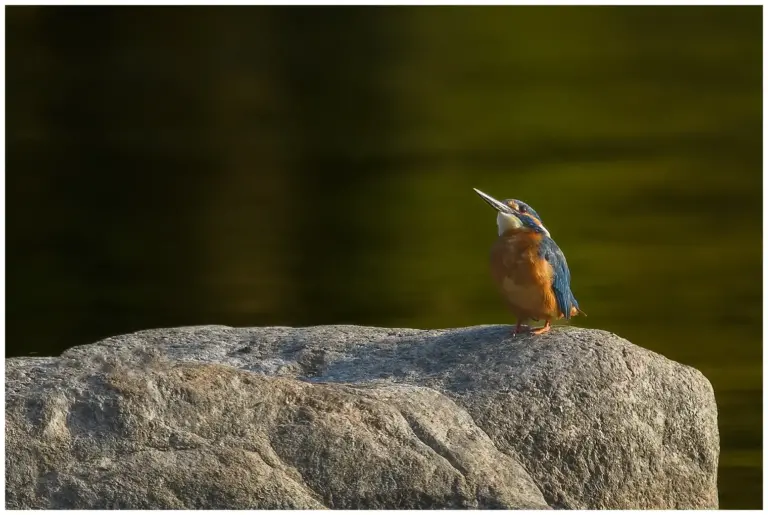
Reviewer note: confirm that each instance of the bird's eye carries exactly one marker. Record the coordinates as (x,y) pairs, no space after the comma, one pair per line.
(522,209)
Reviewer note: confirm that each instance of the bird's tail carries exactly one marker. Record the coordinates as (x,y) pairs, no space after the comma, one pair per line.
(576,310)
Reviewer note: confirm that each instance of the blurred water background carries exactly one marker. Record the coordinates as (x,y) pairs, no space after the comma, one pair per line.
(297,166)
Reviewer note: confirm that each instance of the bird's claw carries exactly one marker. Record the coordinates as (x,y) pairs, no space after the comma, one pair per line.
(530,330)
(520,329)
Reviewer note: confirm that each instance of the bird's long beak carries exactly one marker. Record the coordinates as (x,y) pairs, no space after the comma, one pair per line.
(502,208)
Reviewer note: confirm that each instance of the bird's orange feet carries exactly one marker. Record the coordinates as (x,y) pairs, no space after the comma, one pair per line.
(542,330)
(520,328)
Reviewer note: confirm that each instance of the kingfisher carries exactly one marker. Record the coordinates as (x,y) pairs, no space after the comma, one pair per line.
(529,268)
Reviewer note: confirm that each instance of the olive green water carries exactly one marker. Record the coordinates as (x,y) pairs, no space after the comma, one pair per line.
(259,166)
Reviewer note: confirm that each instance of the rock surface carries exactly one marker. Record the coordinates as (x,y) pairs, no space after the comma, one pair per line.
(359,417)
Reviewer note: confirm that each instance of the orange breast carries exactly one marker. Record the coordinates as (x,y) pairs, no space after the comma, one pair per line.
(523,278)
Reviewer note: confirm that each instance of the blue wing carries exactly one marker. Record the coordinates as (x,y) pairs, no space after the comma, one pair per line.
(561,277)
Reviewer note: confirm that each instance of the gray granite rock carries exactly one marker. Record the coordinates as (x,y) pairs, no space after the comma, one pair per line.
(359,417)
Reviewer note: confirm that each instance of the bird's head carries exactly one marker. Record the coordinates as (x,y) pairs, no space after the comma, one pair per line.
(514,215)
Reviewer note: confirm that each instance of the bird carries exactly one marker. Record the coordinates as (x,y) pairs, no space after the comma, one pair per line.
(528,267)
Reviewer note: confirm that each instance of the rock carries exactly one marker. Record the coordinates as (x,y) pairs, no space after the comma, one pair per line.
(359,417)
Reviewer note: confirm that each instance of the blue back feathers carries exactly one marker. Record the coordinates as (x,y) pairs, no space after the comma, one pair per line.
(561,277)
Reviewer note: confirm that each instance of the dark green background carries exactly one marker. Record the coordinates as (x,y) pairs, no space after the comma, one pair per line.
(297,166)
